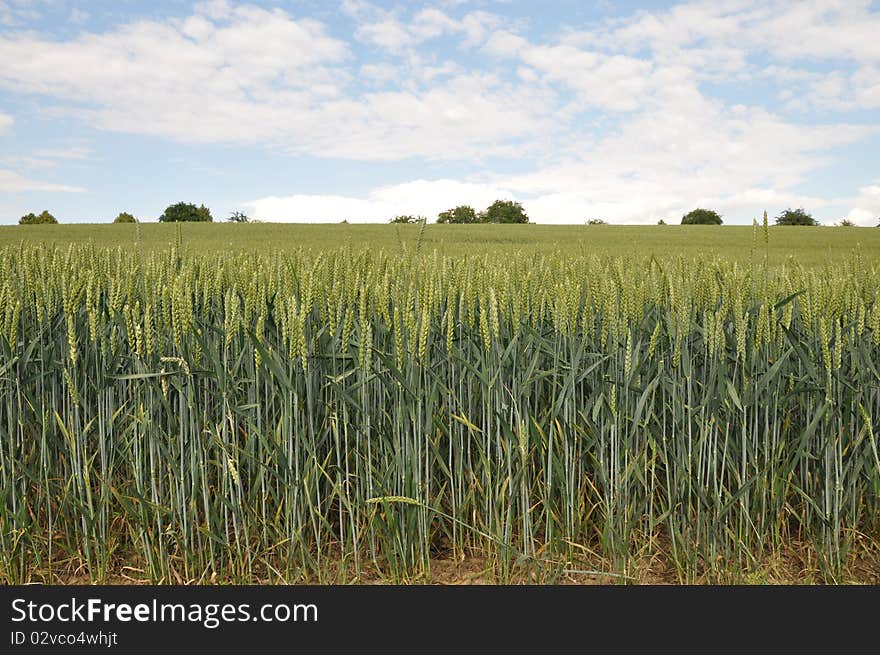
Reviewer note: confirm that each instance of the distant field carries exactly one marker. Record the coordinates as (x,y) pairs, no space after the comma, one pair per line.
(809,246)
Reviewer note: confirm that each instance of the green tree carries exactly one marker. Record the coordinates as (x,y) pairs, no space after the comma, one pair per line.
(406,218)
(504,211)
(845,222)
(185,212)
(238,217)
(701,216)
(125,217)
(460,214)
(44,218)
(596,221)
(661,222)
(795,217)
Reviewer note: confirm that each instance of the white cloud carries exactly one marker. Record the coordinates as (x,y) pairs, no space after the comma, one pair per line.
(12,182)
(819,29)
(359,10)
(47,157)
(250,76)
(386,30)
(78,16)
(199,78)
(864,217)
(841,91)
(215,9)
(867,206)
(683,151)
(72,152)
(388,34)
(505,44)
(14,12)
(723,41)
(477,26)
(6,122)
(380,72)
(420,197)
(615,82)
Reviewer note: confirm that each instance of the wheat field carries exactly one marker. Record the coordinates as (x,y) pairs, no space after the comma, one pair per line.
(333,414)
(806,246)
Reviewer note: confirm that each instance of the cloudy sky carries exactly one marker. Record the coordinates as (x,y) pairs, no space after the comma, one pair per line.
(324,110)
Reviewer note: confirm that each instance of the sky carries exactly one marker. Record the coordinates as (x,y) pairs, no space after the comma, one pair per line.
(331,110)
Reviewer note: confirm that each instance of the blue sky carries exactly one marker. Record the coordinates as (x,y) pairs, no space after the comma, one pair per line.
(320,111)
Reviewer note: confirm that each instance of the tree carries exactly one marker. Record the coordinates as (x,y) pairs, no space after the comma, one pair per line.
(504,211)
(238,217)
(845,222)
(596,221)
(45,218)
(185,212)
(125,217)
(701,217)
(460,214)
(795,217)
(661,222)
(407,219)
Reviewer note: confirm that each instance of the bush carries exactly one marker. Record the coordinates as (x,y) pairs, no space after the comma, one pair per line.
(406,218)
(504,211)
(795,217)
(596,221)
(661,222)
(460,214)
(238,217)
(184,212)
(125,217)
(701,217)
(45,218)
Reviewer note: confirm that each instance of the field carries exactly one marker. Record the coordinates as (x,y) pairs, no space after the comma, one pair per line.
(804,245)
(264,403)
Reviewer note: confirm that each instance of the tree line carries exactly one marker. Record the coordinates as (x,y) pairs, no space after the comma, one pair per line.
(789,216)
(500,211)
(181,212)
